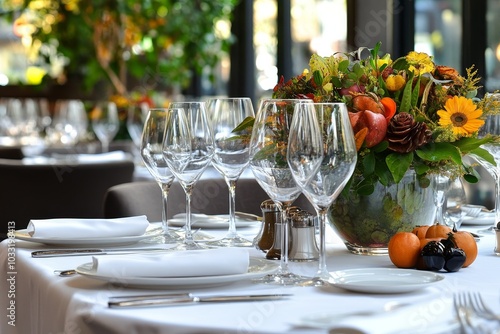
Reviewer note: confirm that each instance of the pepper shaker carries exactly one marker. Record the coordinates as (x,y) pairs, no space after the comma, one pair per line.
(270,215)
(303,245)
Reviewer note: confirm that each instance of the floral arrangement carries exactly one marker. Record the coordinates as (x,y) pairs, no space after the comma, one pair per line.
(405,113)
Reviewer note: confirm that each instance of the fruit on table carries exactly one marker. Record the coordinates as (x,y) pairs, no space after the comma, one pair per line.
(438,231)
(404,249)
(454,259)
(465,241)
(439,248)
(433,255)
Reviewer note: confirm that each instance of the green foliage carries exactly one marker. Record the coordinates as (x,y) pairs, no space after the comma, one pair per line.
(155,41)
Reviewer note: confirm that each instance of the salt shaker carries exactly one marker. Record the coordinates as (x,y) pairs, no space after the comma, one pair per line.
(303,246)
(270,215)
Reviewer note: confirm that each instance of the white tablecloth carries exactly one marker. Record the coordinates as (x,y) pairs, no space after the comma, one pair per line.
(46,303)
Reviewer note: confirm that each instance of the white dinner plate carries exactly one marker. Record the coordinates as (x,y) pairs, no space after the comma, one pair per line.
(210,221)
(384,280)
(483,219)
(257,268)
(151,231)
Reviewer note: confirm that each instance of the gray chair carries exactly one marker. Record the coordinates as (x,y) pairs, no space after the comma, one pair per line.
(210,196)
(56,190)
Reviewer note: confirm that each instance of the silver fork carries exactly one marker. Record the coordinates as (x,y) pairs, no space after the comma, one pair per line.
(471,314)
(478,306)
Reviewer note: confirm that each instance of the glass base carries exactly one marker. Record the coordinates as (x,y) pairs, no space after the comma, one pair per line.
(286,278)
(320,279)
(233,241)
(360,250)
(189,246)
(490,230)
(168,237)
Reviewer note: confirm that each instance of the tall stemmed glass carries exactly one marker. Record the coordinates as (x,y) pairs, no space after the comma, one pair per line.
(440,184)
(151,148)
(322,157)
(492,127)
(231,154)
(188,149)
(268,147)
(105,122)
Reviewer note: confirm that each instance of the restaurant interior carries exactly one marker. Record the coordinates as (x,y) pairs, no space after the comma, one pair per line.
(85,171)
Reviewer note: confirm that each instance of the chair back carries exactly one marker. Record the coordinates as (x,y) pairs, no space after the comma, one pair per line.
(210,196)
(56,190)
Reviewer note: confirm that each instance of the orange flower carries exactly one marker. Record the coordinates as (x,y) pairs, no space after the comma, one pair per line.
(462,115)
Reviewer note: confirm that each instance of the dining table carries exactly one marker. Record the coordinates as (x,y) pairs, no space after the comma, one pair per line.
(34,298)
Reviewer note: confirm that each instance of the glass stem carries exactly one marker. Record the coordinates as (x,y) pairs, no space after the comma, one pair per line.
(232,208)
(497,196)
(322,268)
(165,187)
(283,268)
(188,239)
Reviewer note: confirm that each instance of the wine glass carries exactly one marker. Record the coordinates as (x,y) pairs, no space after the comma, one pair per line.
(440,184)
(135,124)
(188,149)
(231,154)
(151,150)
(268,147)
(69,123)
(105,122)
(492,127)
(322,157)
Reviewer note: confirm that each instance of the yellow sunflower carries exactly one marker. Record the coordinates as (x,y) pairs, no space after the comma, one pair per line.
(461,113)
(419,62)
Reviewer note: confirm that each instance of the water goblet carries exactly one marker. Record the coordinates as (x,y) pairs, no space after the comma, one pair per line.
(231,154)
(322,157)
(151,149)
(105,122)
(188,149)
(268,147)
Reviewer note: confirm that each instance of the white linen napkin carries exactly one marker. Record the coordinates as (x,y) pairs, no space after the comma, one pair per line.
(102,157)
(88,228)
(190,263)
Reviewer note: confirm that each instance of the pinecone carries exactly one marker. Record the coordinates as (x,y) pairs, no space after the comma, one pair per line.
(405,135)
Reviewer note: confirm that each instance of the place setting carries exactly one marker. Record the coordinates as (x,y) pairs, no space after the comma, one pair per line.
(88,232)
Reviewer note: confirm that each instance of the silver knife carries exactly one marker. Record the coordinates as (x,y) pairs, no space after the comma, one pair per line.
(185,299)
(92,251)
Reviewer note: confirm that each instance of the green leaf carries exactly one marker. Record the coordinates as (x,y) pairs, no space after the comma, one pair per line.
(471,178)
(483,154)
(336,82)
(343,65)
(415,93)
(381,147)
(435,152)
(318,78)
(369,163)
(246,124)
(469,144)
(399,164)
(406,100)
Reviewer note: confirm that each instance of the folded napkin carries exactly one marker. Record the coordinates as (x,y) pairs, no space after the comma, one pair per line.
(435,315)
(88,228)
(108,156)
(206,262)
